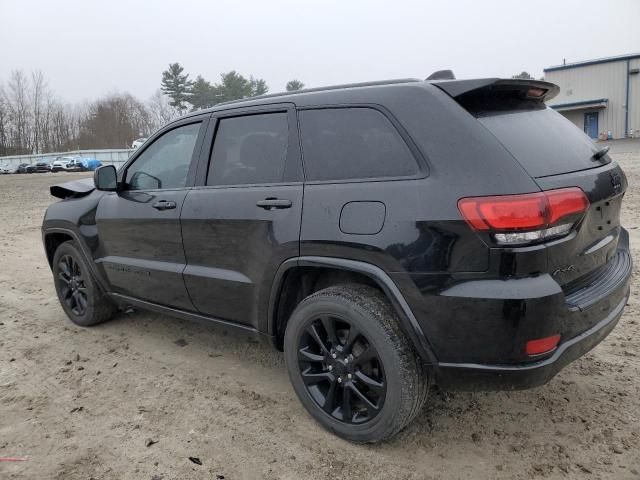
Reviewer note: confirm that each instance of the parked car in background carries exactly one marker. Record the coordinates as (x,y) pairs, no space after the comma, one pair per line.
(40,167)
(138,143)
(22,168)
(75,165)
(60,164)
(5,170)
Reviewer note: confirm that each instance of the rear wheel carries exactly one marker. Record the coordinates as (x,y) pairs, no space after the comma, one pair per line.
(351,365)
(79,295)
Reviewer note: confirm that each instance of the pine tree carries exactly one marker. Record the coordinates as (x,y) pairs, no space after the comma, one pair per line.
(234,86)
(176,86)
(294,85)
(523,76)
(202,94)
(258,86)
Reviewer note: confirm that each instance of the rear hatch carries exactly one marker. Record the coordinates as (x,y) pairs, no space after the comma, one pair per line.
(556,155)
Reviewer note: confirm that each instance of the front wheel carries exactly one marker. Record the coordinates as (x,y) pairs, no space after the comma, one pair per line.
(78,292)
(351,365)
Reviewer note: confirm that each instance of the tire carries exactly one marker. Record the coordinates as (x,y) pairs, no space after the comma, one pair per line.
(396,381)
(74,282)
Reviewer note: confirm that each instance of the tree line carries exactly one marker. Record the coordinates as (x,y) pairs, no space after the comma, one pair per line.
(186,94)
(33,119)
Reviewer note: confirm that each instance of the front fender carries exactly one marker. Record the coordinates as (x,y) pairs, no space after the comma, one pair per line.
(75,218)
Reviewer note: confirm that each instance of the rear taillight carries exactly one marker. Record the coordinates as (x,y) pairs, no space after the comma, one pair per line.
(525,218)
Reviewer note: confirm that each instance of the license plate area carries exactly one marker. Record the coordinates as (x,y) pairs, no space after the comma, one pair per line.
(606,215)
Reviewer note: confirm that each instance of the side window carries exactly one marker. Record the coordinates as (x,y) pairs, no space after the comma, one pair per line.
(352,143)
(250,149)
(165,163)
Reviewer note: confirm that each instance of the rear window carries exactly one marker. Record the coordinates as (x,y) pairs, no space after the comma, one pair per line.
(353,143)
(543,141)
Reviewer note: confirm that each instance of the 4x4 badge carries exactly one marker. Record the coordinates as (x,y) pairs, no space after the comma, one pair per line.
(568,268)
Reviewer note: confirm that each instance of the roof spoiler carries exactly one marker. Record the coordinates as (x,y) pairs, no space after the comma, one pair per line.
(530,89)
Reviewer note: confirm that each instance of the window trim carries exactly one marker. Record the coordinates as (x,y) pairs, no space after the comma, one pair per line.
(421,161)
(203,119)
(293,163)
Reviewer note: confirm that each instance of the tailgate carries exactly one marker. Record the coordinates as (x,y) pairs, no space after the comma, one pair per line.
(556,154)
(540,139)
(595,240)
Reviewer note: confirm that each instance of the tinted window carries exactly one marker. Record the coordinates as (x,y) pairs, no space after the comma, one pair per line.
(249,149)
(165,163)
(349,143)
(543,141)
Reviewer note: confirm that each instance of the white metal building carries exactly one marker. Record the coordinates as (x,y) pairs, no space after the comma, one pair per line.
(601,96)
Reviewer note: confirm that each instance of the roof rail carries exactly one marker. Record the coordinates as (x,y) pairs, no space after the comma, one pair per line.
(322,89)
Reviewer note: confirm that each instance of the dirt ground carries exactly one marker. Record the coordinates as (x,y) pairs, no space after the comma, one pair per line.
(81,403)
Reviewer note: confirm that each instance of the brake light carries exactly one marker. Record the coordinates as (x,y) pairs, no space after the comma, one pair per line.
(535,92)
(542,345)
(534,216)
(565,202)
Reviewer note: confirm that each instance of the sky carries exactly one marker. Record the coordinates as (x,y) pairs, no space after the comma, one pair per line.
(91,48)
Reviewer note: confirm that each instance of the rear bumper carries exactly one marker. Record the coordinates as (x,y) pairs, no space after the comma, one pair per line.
(472,376)
(478,329)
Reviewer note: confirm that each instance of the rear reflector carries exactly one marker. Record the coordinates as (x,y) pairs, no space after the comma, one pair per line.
(542,345)
(536,212)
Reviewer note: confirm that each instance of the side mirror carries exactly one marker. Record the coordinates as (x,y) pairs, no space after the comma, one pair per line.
(144,181)
(106,178)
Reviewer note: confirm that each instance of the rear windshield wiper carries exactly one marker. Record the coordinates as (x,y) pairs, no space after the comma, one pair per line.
(600,153)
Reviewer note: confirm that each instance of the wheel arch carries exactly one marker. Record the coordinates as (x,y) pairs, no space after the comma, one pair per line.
(53,237)
(52,240)
(338,270)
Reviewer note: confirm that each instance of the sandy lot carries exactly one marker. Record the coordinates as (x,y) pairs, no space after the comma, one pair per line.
(87,403)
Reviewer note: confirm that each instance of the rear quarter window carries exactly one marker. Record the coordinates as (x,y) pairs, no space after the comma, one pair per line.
(352,143)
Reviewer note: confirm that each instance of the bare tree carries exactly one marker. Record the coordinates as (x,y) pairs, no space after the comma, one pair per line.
(113,122)
(160,111)
(18,103)
(62,130)
(38,92)
(4,124)
(34,120)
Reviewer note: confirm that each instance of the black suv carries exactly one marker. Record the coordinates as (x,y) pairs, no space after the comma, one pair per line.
(386,236)
(40,167)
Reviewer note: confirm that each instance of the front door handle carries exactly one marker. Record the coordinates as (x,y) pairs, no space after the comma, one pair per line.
(164,205)
(273,203)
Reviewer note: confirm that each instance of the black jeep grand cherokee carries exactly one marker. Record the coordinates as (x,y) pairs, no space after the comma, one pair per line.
(384,235)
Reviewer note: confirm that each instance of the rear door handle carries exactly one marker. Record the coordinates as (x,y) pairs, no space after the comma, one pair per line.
(164,205)
(274,203)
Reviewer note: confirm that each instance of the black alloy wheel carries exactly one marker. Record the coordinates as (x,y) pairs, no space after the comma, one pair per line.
(351,365)
(341,370)
(72,285)
(79,294)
